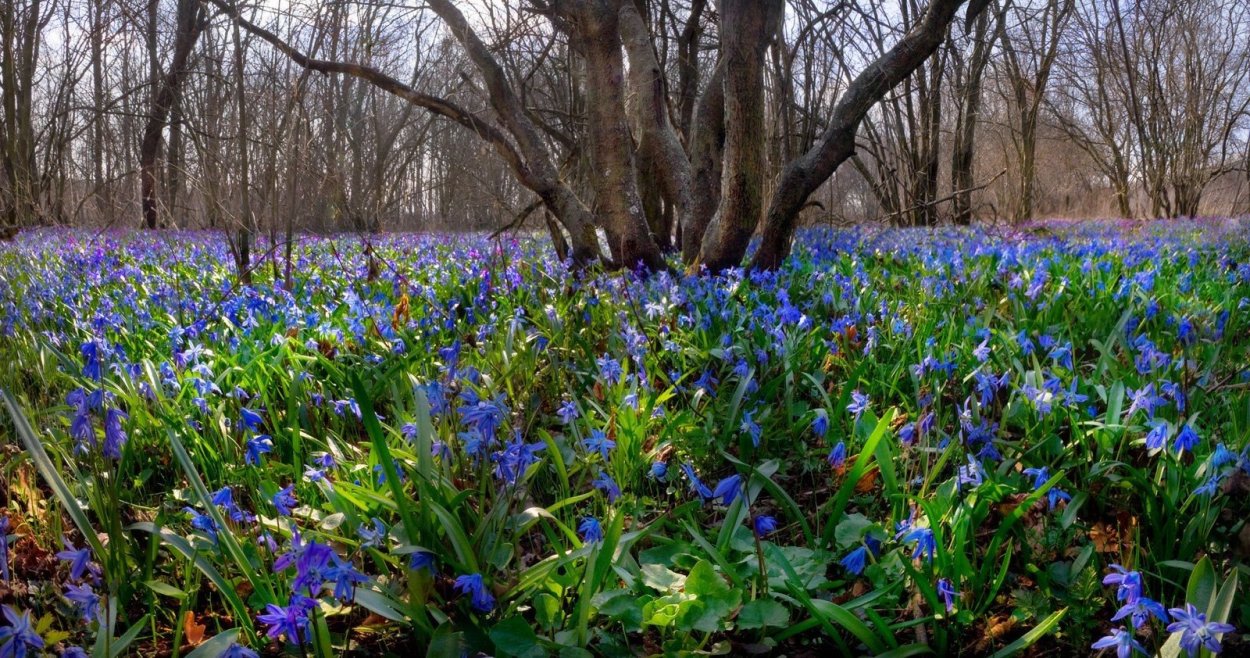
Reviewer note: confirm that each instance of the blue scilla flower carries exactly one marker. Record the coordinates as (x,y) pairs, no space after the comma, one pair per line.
(19,637)
(422,560)
(80,564)
(946,590)
(855,561)
(599,442)
(659,470)
(696,485)
(926,543)
(85,601)
(250,420)
(591,530)
(515,459)
(568,412)
(1196,632)
(290,621)
(373,535)
(764,525)
(1186,439)
(1140,611)
(91,360)
(256,446)
(820,424)
(752,428)
(728,489)
(284,501)
(1122,641)
(114,434)
(202,522)
(607,485)
(1129,583)
(1158,435)
(858,404)
(344,576)
(472,585)
(837,456)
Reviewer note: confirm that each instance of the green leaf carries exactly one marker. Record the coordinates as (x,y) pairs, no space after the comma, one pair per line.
(716,598)
(165,589)
(514,637)
(761,613)
(215,645)
(661,578)
(1029,639)
(1201,589)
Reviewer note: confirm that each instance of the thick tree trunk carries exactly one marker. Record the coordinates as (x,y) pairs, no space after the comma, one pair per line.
(596,34)
(837,143)
(746,28)
(963,167)
(706,148)
(190,23)
(663,168)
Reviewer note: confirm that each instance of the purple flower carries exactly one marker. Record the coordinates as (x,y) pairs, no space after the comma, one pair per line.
(285,500)
(1129,583)
(291,621)
(114,435)
(946,590)
(85,600)
(1123,642)
(1141,611)
(1196,632)
(471,585)
(79,561)
(858,405)
(91,360)
(568,412)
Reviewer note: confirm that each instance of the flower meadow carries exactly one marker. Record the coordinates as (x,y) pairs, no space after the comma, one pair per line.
(905,442)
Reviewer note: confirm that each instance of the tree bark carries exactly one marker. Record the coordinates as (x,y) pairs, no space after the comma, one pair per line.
(746,29)
(707,143)
(190,22)
(836,144)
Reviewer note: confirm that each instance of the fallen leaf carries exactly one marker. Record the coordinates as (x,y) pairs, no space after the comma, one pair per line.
(192,631)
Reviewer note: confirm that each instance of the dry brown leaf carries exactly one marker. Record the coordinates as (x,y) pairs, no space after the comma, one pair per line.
(192,631)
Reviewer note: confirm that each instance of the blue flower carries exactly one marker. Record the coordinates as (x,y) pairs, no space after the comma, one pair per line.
(926,544)
(946,590)
(764,525)
(728,489)
(752,428)
(250,420)
(422,560)
(4,548)
(114,435)
(77,652)
(372,536)
(607,485)
(837,456)
(472,585)
(1129,584)
(91,360)
(591,530)
(820,424)
(1123,642)
(1158,435)
(696,485)
(971,474)
(515,459)
(1196,632)
(659,470)
(203,522)
(79,561)
(291,621)
(345,577)
(85,600)
(257,446)
(855,560)
(600,443)
(858,405)
(285,500)
(568,412)
(19,636)
(1186,439)
(1141,611)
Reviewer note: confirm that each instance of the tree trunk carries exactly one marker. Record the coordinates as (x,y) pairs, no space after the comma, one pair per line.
(596,34)
(802,176)
(706,147)
(190,23)
(746,28)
